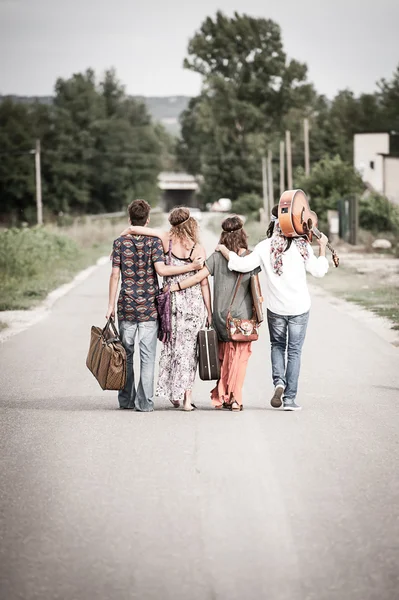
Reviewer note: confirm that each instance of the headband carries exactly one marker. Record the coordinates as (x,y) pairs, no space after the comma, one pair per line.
(233,230)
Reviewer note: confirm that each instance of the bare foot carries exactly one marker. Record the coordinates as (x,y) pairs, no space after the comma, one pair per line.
(187,405)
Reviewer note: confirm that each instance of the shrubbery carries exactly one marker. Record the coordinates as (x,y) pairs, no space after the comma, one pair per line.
(249,205)
(26,252)
(376,213)
(330,180)
(32,262)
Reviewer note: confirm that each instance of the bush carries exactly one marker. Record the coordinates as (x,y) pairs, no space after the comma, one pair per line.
(26,252)
(330,180)
(32,262)
(377,213)
(248,205)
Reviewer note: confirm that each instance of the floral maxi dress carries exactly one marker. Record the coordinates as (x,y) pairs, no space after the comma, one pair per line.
(178,362)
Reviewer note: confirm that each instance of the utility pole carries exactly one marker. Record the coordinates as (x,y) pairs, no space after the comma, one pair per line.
(39,205)
(282,168)
(270,181)
(289,159)
(306,142)
(264,186)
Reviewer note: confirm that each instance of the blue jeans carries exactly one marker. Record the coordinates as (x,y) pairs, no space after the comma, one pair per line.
(287,334)
(147,336)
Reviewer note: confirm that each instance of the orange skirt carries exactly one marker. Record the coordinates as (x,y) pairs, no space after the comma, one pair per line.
(234,359)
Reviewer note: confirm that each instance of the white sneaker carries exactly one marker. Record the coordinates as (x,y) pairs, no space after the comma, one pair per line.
(276,400)
(291,405)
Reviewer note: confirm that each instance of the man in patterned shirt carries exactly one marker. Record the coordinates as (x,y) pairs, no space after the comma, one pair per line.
(139,259)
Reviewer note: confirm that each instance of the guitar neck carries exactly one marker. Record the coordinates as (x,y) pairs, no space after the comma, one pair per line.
(318,235)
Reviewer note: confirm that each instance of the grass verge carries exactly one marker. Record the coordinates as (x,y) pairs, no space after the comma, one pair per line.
(373,290)
(34,261)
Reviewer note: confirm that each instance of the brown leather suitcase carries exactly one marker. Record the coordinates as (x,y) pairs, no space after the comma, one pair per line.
(106,357)
(208,355)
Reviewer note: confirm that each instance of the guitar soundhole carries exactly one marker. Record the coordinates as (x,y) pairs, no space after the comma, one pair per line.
(310,224)
(284,210)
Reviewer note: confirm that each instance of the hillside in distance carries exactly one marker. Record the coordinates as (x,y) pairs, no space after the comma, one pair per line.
(166,109)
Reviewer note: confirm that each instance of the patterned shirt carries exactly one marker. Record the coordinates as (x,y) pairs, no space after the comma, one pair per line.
(135,255)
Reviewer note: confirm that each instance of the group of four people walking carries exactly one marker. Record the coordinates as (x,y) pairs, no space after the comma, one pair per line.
(141,253)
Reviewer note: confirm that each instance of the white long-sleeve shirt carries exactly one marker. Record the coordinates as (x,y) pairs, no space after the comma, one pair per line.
(286,294)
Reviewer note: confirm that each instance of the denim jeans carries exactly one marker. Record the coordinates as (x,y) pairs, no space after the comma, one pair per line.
(147,337)
(287,334)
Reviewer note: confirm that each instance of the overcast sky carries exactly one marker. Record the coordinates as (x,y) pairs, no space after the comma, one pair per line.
(345,43)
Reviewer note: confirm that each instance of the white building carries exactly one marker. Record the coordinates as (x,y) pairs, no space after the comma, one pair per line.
(376,163)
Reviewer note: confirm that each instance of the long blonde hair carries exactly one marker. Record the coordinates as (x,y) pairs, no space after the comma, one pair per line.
(183,226)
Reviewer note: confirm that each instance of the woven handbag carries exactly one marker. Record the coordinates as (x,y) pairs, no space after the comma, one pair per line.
(241,330)
(164,307)
(245,330)
(163,303)
(106,358)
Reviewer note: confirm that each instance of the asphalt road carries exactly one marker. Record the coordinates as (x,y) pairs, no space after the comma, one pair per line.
(103,504)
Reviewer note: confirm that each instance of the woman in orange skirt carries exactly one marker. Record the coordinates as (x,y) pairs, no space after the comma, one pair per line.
(233,355)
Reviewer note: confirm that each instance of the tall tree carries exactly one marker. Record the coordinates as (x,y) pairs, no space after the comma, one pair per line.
(17,183)
(248,86)
(389,98)
(78,107)
(99,149)
(127,156)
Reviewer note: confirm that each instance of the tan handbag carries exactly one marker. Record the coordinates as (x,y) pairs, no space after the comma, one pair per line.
(106,358)
(257,298)
(241,330)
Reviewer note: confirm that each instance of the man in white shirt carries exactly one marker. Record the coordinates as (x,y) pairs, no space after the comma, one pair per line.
(285,262)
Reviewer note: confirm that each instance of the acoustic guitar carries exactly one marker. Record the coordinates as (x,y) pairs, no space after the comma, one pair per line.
(297,220)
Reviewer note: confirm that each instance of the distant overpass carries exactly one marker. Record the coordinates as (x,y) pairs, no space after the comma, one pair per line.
(178,189)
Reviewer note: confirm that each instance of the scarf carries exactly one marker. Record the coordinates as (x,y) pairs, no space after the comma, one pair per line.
(278,246)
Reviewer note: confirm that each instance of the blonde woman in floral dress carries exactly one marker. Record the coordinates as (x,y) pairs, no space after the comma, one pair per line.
(190,309)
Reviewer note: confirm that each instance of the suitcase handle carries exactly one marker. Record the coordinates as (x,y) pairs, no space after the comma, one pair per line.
(110,324)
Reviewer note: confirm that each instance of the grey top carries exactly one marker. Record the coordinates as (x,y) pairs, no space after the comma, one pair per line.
(223,288)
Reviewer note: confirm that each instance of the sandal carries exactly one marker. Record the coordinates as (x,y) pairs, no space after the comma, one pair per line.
(235,407)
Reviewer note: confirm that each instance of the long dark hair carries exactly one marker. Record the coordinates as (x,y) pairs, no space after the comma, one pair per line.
(270,229)
(233,234)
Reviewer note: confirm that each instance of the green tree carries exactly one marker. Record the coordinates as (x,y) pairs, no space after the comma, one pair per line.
(99,147)
(248,86)
(168,144)
(389,99)
(336,123)
(77,109)
(330,180)
(17,175)
(249,205)
(127,155)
